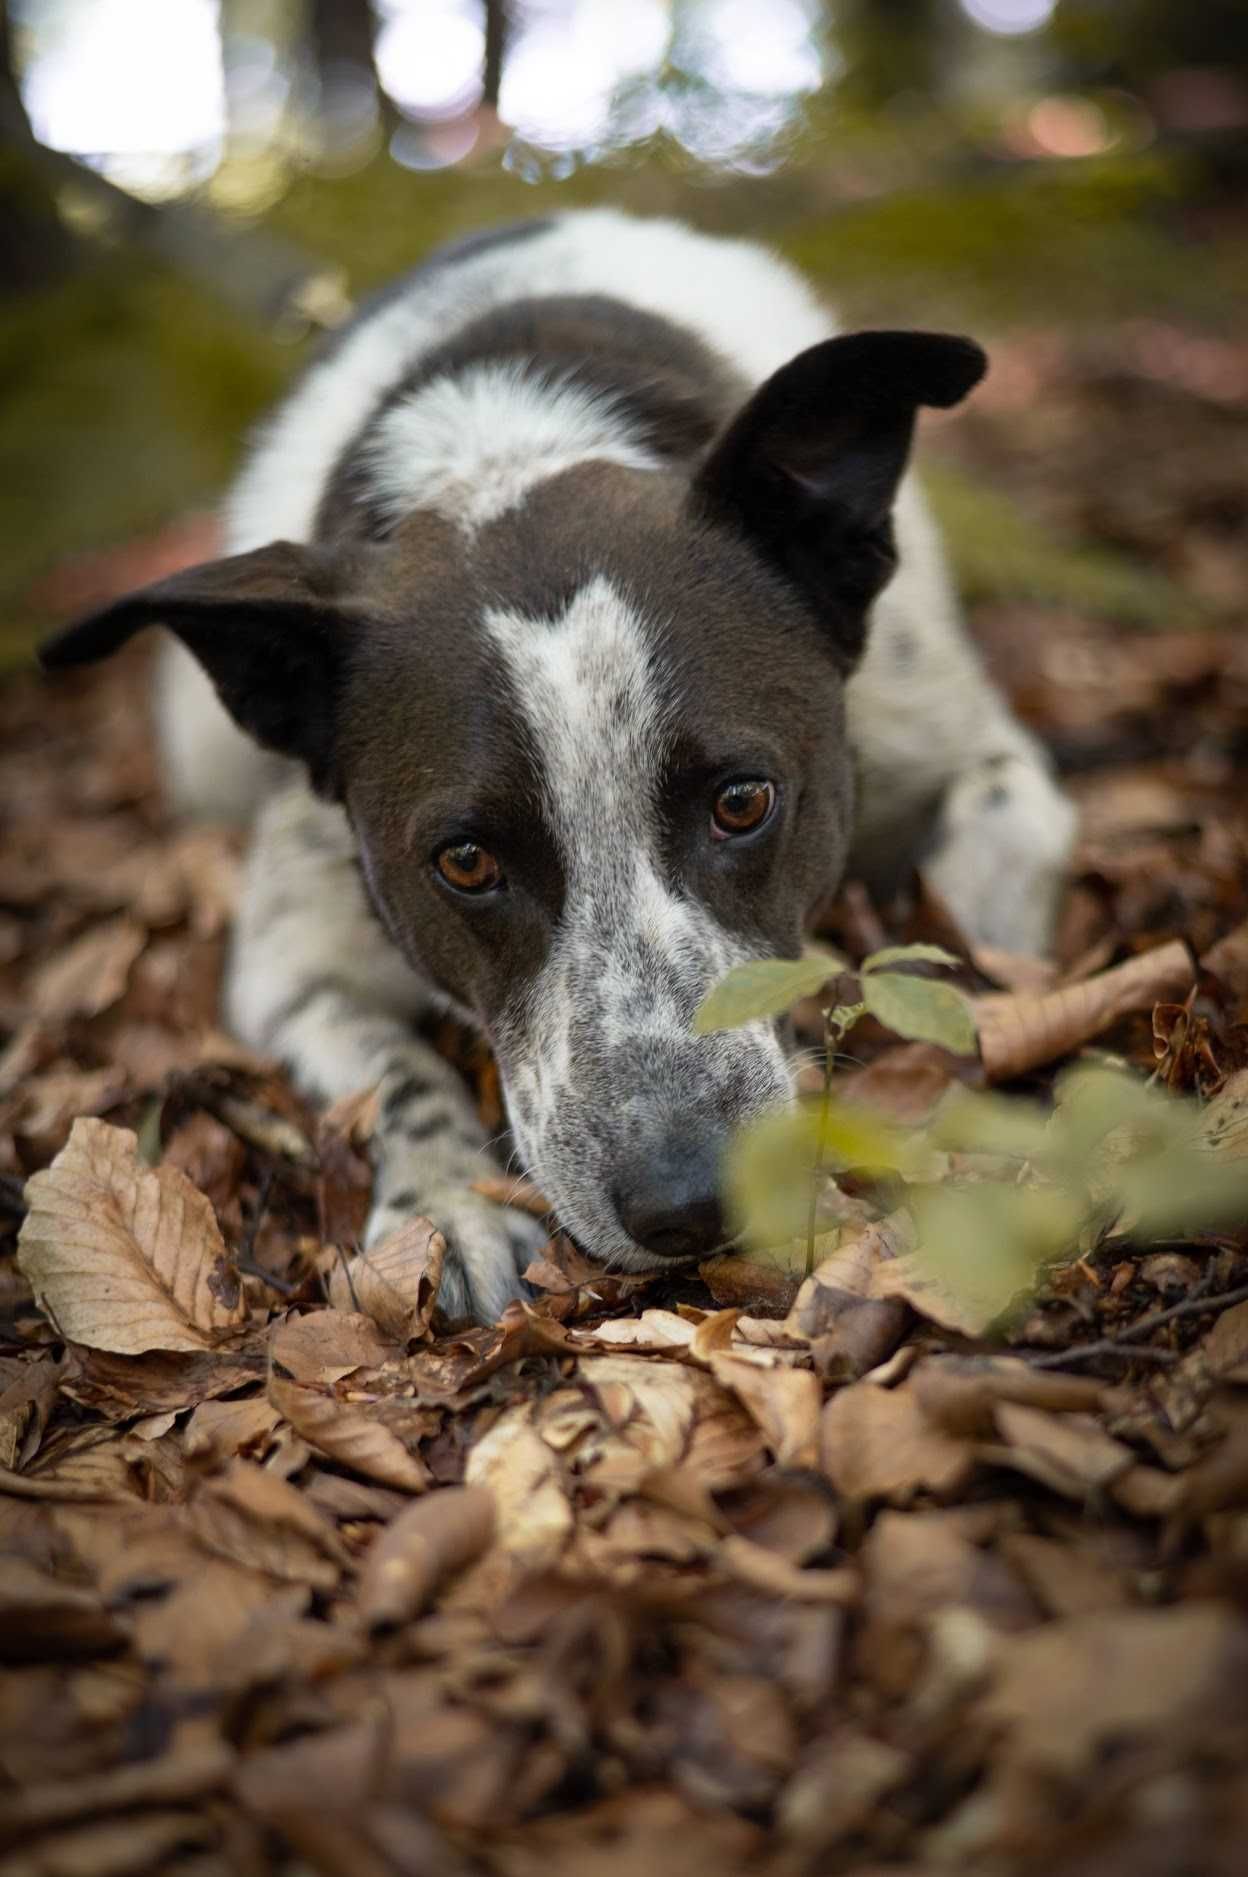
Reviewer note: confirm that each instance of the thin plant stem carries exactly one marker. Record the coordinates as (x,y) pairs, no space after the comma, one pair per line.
(829,1057)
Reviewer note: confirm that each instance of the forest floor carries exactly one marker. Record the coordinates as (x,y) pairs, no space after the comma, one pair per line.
(745,1573)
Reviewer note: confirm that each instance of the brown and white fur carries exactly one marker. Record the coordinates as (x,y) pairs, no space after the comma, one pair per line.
(577,526)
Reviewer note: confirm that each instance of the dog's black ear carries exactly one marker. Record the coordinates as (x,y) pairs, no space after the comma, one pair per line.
(809,468)
(267,627)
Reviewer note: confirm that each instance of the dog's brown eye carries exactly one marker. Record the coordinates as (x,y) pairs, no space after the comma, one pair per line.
(740,807)
(469,868)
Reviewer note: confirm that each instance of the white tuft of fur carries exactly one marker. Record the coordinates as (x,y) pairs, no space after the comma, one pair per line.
(471,446)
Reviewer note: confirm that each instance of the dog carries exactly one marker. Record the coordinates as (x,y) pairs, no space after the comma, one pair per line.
(579,629)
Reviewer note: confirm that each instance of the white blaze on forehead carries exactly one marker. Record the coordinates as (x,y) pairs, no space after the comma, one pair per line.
(586,687)
(472,446)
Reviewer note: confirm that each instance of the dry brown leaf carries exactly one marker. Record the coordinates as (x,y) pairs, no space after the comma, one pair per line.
(42,1618)
(1023,1030)
(28,1392)
(345,1432)
(1070,1453)
(426,1543)
(784,1401)
(170,1780)
(220,1430)
(908,1280)
(351,1119)
(836,1786)
(255,1519)
(876,1443)
(1228,960)
(1068,1580)
(522,1194)
(115,1847)
(745,1284)
(323,1346)
(653,1329)
(49,1103)
(961,1393)
(850,1329)
(904,1082)
(1225,1348)
(1071,1689)
(191,1633)
(767,1571)
(793,1515)
(396,1282)
(125,1258)
(89,975)
(1224,1123)
(915,1564)
(118,1387)
(533,1517)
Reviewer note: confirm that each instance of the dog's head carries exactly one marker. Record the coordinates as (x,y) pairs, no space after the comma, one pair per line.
(594,754)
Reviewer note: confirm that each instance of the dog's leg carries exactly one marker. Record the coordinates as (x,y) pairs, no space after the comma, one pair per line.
(315,981)
(947,777)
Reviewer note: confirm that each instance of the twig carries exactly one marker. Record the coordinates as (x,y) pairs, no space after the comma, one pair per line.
(246,1261)
(1106,1346)
(345,1263)
(1122,1345)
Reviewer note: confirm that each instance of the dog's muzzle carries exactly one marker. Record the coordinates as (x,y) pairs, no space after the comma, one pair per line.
(669,1202)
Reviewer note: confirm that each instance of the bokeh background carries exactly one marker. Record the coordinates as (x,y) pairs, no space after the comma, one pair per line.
(193,191)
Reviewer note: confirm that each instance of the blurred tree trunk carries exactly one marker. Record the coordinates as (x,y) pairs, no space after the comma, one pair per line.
(36,244)
(497,33)
(343,34)
(891,47)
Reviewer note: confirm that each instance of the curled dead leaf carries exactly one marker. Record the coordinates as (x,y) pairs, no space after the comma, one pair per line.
(321,1346)
(850,1328)
(91,973)
(877,1443)
(124,1258)
(1224,1123)
(427,1542)
(784,1401)
(514,1465)
(1022,1030)
(258,1520)
(396,1282)
(344,1432)
(522,1194)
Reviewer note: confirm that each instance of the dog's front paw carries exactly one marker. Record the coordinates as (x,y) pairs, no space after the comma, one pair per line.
(1005,836)
(487,1246)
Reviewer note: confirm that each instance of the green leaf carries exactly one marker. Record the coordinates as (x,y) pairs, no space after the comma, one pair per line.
(771,1164)
(920,1010)
(763,987)
(843,1017)
(990,1124)
(908,955)
(1172,1194)
(149,1132)
(984,1249)
(1093,1102)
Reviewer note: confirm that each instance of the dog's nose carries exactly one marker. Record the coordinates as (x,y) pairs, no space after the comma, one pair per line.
(671,1206)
